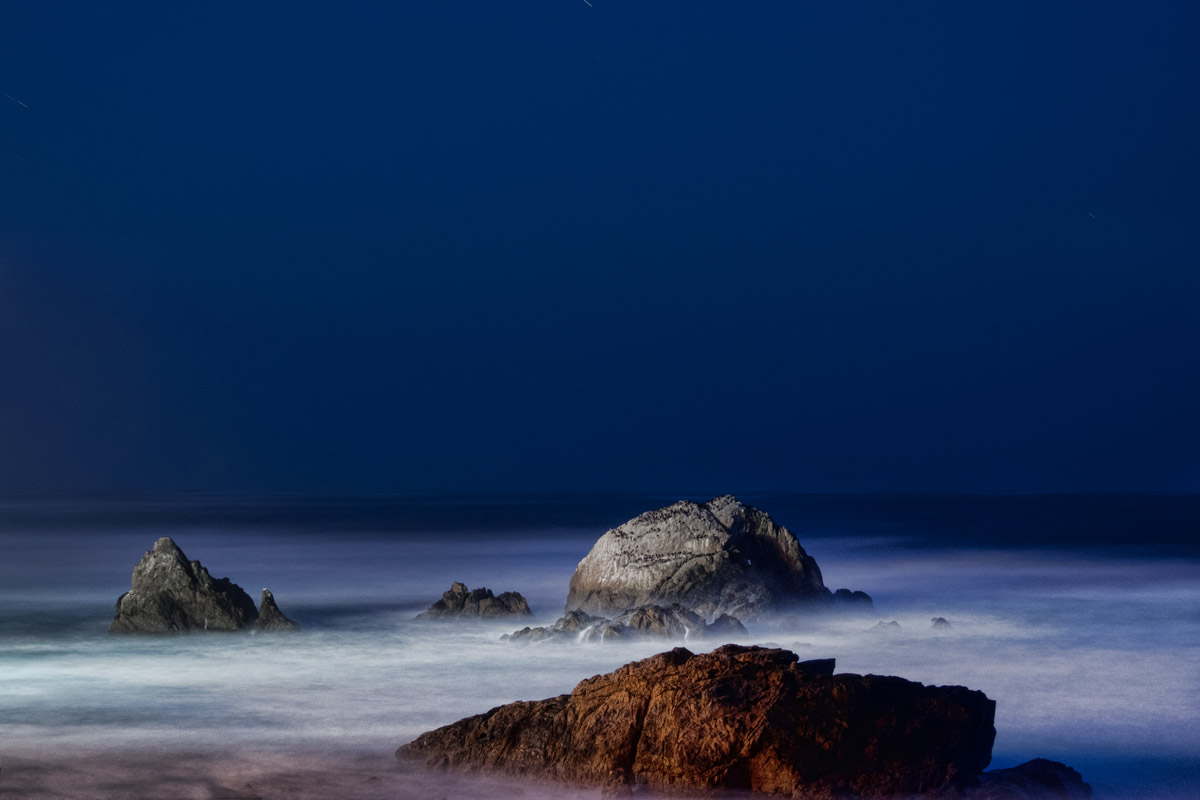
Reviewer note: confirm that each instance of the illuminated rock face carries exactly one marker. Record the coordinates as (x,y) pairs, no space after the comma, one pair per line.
(737,718)
(719,557)
(170,594)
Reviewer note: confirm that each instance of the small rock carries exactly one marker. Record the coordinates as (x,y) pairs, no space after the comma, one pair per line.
(1039,778)
(857,600)
(460,601)
(270,618)
(668,622)
(940,623)
(886,627)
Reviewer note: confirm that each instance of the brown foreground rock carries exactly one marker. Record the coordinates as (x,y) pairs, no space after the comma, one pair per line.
(738,718)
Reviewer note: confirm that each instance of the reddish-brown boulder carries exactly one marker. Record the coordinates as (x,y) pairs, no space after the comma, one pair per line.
(739,717)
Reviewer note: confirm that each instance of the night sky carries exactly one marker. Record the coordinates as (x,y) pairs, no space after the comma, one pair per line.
(547,245)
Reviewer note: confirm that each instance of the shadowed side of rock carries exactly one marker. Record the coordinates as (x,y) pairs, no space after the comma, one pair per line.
(736,718)
(460,601)
(270,618)
(1039,779)
(170,593)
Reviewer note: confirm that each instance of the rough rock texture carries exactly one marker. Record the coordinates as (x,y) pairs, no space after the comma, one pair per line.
(718,557)
(463,602)
(270,618)
(739,717)
(171,593)
(670,622)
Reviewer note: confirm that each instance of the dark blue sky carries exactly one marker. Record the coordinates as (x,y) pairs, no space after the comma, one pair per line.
(535,245)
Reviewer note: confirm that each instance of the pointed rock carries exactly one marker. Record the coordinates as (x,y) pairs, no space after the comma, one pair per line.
(460,601)
(170,593)
(270,618)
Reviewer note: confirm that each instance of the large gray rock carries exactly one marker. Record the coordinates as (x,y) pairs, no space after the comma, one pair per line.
(717,557)
(170,593)
(270,618)
(460,601)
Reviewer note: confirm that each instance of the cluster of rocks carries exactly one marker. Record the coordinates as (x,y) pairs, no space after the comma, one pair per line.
(748,718)
(172,594)
(670,622)
(460,601)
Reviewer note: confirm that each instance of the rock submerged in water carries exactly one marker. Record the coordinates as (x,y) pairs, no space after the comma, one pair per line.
(460,601)
(171,594)
(270,618)
(671,622)
(736,718)
(1039,779)
(713,558)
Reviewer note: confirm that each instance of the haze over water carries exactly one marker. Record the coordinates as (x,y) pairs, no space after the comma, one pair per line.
(1078,615)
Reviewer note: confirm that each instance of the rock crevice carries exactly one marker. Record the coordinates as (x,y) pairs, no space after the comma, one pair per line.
(736,718)
(717,557)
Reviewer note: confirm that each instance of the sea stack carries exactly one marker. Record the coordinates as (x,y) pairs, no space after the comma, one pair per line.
(460,601)
(719,557)
(270,618)
(171,593)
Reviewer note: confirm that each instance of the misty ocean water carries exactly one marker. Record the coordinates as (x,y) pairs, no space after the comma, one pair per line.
(1079,616)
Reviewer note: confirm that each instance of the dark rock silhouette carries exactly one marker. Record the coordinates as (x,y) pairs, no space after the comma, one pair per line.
(170,593)
(270,618)
(738,718)
(460,601)
(940,623)
(1038,779)
(847,598)
(886,627)
(670,622)
(718,557)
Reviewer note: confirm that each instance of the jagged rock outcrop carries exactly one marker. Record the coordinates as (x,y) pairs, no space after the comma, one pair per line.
(717,557)
(669,622)
(737,718)
(460,601)
(171,593)
(270,618)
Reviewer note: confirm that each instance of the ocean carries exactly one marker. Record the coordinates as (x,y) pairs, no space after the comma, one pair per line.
(1078,615)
